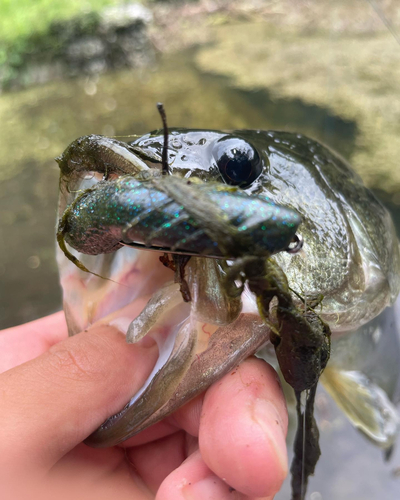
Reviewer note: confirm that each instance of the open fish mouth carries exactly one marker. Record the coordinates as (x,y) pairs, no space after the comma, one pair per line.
(189,369)
(199,341)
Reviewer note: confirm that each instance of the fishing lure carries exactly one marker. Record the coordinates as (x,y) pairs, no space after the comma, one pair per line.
(178,216)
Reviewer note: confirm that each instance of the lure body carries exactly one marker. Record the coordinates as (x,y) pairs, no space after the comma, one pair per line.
(176,215)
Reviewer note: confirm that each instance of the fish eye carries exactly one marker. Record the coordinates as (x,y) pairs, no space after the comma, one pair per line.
(238,162)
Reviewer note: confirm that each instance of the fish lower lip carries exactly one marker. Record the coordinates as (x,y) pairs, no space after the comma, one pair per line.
(228,346)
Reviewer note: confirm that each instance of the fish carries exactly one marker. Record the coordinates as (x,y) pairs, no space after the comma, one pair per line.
(348,265)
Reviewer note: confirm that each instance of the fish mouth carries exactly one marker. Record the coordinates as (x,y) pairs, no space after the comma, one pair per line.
(198,342)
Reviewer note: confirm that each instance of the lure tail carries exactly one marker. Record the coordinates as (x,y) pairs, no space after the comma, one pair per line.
(306,445)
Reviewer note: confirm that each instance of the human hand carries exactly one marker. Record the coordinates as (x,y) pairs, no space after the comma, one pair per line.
(58,390)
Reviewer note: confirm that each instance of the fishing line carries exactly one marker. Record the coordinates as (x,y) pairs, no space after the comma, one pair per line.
(303,451)
(385,20)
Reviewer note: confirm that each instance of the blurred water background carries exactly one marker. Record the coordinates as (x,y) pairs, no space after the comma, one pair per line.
(328,69)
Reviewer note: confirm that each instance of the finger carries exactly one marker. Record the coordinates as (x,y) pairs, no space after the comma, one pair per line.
(188,417)
(90,465)
(22,343)
(86,474)
(53,402)
(156,460)
(193,480)
(94,472)
(243,427)
(233,440)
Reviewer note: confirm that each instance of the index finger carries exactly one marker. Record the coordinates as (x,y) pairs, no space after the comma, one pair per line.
(52,403)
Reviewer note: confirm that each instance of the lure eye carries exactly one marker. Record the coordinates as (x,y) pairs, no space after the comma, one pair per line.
(238,162)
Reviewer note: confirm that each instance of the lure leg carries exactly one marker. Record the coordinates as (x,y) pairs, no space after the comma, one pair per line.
(178,264)
(302,345)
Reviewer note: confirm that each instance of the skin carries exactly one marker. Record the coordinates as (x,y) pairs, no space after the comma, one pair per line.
(55,391)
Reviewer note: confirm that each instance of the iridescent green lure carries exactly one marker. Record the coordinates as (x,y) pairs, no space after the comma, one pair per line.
(179,216)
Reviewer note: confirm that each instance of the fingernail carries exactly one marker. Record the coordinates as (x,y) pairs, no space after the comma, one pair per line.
(122,324)
(268,418)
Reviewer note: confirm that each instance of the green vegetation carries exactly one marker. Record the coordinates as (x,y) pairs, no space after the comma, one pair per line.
(32,27)
(19,19)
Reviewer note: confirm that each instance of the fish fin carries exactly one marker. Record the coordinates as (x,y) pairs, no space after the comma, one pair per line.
(364,403)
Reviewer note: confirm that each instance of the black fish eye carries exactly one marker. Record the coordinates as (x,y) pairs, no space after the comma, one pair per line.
(238,162)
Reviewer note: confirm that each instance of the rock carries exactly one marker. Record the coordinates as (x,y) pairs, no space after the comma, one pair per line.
(123,16)
(86,48)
